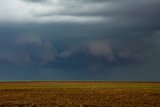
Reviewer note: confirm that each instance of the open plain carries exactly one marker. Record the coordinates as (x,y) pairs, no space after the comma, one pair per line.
(79,94)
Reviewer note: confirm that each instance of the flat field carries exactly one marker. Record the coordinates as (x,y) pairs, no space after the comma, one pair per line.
(79,94)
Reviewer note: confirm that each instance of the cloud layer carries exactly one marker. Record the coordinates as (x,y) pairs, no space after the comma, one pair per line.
(91,11)
(80,39)
(32,49)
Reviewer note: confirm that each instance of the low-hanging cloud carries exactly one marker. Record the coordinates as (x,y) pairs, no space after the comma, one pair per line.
(107,52)
(101,49)
(27,49)
(66,54)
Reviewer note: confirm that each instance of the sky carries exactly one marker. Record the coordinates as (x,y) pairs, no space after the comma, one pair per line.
(112,40)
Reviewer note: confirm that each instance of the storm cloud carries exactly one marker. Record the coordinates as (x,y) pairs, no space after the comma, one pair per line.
(26,49)
(80,39)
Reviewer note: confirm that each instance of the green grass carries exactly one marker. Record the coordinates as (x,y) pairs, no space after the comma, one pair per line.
(117,85)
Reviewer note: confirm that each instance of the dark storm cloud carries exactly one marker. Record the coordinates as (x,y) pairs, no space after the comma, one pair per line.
(26,49)
(111,50)
(97,39)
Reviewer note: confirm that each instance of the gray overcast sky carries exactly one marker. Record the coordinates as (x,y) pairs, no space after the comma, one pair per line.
(80,40)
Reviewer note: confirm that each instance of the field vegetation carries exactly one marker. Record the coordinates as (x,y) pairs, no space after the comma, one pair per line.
(79,94)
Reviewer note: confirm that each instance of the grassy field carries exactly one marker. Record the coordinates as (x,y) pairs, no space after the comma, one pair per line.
(79,94)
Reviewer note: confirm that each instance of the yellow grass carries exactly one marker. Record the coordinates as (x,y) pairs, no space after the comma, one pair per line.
(79,94)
